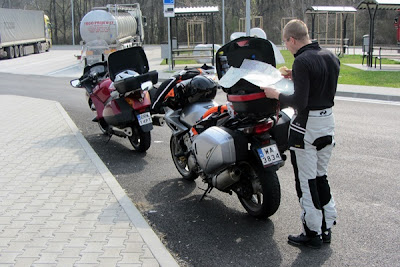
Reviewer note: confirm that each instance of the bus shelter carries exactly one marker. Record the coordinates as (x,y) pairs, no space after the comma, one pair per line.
(188,13)
(372,6)
(321,32)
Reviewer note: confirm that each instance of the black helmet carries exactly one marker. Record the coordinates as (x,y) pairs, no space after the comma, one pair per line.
(201,88)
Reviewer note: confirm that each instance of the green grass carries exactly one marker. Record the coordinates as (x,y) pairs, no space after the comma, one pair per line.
(350,75)
(180,62)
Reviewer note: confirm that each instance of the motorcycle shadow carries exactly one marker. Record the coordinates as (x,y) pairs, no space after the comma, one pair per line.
(214,232)
(118,154)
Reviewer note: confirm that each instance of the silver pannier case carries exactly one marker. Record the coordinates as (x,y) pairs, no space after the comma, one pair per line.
(214,148)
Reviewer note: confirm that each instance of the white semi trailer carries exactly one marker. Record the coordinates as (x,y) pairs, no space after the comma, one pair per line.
(23,32)
(107,29)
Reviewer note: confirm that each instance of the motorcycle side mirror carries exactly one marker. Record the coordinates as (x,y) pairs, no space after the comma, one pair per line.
(76,83)
(146,85)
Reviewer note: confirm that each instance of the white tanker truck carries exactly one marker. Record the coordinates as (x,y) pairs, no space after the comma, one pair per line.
(107,29)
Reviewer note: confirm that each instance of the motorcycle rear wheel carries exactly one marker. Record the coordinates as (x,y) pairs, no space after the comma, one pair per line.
(266,196)
(181,160)
(140,140)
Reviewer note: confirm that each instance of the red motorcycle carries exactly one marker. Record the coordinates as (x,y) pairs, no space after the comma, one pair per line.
(118,94)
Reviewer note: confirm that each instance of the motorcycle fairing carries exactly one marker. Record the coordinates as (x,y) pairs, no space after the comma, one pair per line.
(102,91)
(194,112)
(140,105)
(100,95)
(118,112)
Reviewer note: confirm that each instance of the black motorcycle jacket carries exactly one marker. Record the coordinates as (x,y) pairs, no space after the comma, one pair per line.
(315,72)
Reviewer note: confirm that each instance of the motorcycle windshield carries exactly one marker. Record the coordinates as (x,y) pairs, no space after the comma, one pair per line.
(132,58)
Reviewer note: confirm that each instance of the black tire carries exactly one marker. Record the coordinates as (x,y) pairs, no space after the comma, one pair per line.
(266,191)
(140,140)
(37,48)
(10,52)
(21,51)
(16,51)
(103,125)
(180,161)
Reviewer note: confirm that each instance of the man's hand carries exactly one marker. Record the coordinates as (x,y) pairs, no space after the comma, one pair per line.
(285,72)
(271,92)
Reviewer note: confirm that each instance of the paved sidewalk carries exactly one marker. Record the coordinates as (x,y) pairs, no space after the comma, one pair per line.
(59,204)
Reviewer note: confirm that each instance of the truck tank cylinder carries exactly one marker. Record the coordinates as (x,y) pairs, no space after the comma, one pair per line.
(103,25)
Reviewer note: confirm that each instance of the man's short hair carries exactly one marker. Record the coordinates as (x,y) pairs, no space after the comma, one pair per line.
(296,29)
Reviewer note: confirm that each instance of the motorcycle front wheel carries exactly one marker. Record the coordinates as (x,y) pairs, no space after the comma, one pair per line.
(140,140)
(264,192)
(180,159)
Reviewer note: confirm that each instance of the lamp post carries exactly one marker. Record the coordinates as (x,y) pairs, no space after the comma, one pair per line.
(223,22)
(73,26)
(247,17)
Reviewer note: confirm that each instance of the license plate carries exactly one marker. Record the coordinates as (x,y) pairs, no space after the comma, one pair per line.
(269,155)
(144,118)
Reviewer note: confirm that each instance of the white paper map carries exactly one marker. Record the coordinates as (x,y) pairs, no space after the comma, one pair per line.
(259,74)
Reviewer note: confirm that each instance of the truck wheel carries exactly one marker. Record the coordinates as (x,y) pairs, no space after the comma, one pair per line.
(37,48)
(21,51)
(10,52)
(16,51)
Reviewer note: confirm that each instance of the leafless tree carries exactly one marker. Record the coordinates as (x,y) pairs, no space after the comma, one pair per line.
(272,11)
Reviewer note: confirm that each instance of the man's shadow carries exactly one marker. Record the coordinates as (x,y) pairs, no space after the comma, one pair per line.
(313,257)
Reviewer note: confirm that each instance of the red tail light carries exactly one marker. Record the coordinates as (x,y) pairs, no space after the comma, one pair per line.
(263,127)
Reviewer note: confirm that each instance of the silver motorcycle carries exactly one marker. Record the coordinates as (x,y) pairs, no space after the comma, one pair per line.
(237,147)
(233,148)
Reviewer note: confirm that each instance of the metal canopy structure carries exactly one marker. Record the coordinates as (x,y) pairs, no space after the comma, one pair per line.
(341,12)
(372,6)
(206,11)
(195,11)
(332,9)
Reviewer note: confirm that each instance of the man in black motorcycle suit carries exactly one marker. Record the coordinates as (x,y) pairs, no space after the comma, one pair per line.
(315,74)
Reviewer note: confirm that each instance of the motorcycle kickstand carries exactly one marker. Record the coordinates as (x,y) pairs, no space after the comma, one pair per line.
(109,138)
(208,190)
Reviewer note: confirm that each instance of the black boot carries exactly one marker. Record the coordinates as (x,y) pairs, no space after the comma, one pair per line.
(326,236)
(303,240)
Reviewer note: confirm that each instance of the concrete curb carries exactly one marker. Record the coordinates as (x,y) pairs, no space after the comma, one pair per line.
(151,239)
(369,96)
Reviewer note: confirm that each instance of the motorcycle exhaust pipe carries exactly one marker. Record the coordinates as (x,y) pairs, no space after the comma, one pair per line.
(226,178)
(122,132)
(158,120)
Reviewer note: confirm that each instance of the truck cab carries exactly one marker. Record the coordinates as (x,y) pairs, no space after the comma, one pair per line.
(47,31)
